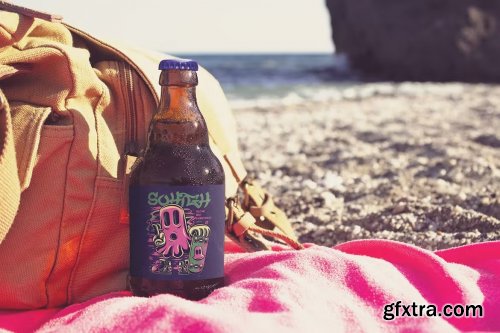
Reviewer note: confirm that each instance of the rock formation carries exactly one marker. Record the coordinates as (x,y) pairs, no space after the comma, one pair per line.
(424,40)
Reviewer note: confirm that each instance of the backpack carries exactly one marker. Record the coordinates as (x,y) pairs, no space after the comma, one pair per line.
(74,111)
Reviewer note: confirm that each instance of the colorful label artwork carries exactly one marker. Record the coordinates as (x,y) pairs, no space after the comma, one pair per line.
(177,232)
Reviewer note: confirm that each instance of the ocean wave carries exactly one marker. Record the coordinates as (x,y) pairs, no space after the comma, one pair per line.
(270,78)
(292,96)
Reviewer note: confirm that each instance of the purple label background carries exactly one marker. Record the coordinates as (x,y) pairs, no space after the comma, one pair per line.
(183,252)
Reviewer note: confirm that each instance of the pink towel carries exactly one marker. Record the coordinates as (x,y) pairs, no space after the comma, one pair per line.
(319,289)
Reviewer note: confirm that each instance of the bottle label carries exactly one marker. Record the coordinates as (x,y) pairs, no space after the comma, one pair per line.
(177,232)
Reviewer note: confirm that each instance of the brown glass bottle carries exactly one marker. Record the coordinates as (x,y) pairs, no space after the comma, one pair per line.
(177,197)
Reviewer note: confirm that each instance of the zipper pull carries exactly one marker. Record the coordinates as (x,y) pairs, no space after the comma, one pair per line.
(132,159)
(131,149)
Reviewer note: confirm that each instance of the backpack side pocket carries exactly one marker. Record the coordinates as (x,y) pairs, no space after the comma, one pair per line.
(31,247)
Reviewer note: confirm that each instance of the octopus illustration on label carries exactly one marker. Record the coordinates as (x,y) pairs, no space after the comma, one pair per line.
(174,239)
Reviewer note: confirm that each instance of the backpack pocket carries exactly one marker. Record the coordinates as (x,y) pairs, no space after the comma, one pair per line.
(27,122)
(103,255)
(30,248)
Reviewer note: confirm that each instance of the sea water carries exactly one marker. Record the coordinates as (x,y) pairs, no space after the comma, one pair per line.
(264,80)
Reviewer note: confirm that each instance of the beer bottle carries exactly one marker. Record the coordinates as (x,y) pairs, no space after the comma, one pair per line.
(176,197)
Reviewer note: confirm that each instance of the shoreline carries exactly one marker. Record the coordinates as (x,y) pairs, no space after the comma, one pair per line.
(413,162)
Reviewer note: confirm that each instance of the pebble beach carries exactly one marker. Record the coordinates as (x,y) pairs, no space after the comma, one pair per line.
(412,162)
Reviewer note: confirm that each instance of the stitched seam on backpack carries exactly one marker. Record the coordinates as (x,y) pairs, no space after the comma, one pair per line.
(59,236)
(144,107)
(69,291)
(11,183)
(113,182)
(26,152)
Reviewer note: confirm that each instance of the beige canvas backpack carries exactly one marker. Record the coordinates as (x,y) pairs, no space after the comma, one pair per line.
(71,109)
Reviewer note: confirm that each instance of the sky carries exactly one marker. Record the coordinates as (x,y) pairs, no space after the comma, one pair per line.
(202,26)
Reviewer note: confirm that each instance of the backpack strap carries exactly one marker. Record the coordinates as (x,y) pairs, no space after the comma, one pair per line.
(261,205)
(258,224)
(10,191)
(241,227)
(10,7)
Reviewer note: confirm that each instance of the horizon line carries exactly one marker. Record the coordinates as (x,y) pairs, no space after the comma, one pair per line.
(249,52)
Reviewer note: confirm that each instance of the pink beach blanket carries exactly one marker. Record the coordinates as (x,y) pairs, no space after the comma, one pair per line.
(348,288)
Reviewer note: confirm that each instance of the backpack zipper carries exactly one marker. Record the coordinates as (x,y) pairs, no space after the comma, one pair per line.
(131,152)
(120,55)
(125,72)
(126,77)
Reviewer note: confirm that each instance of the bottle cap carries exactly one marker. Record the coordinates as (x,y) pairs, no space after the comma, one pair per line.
(181,64)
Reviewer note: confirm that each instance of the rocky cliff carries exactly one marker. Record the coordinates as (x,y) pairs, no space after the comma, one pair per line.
(424,40)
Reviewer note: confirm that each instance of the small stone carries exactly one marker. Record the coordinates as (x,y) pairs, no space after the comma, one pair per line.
(328,198)
(485,201)
(423,160)
(488,140)
(458,177)
(333,181)
(292,147)
(399,208)
(412,219)
(309,184)
(356,230)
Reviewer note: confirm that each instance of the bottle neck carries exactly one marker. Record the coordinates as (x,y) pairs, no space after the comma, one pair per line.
(178,121)
(177,103)
(178,95)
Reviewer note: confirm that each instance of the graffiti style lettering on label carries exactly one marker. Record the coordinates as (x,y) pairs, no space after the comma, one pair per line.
(182,199)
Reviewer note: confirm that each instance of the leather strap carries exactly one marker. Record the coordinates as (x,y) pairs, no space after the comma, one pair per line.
(237,168)
(238,224)
(261,205)
(10,7)
(258,224)
(243,223)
